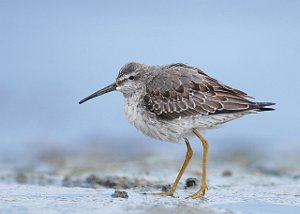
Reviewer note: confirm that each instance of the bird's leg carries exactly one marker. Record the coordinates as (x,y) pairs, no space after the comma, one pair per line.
(204,186)
(188,157)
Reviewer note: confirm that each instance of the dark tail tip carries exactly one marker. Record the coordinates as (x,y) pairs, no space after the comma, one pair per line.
(263,106)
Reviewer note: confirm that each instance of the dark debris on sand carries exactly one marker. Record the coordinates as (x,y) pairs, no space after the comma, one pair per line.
(191,182)
(227,173)
(119,194)
(166,188)
(115,182)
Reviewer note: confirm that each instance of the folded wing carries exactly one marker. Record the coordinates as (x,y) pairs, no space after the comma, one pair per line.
(181,91)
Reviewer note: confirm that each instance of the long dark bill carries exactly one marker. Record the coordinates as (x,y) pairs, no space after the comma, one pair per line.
(109,88)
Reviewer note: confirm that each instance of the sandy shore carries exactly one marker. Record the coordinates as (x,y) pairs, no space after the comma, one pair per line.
(87,183)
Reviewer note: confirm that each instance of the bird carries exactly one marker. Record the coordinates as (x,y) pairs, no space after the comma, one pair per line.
(175,102)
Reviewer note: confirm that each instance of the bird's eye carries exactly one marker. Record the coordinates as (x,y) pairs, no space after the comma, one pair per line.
(131,77)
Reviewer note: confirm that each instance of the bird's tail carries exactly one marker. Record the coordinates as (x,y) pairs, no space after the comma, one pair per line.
(263,106)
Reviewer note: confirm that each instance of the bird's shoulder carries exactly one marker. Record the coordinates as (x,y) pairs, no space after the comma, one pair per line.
(169,77)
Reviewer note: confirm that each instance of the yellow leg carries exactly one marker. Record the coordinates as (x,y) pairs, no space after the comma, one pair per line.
(188,157)
(204,186)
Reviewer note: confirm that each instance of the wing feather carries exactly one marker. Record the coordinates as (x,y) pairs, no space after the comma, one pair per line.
(179,90)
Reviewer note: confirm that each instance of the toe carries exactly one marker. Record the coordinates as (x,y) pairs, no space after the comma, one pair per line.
(199,194)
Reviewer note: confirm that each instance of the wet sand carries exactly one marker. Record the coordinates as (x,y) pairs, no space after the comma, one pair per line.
(97,183)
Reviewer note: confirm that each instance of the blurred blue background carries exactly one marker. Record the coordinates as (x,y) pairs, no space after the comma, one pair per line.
(54,53)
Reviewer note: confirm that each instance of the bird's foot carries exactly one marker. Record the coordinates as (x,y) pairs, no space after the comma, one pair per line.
(200,193)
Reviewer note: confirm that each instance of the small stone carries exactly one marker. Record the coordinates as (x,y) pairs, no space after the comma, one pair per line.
(191,182)
(119,194)
(166,188)
(226,173)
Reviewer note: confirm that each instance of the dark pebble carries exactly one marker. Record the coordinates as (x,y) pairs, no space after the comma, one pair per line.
(226,173)
(191,182)
(119,194)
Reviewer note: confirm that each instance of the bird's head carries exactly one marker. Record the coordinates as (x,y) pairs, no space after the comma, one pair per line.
(131,79)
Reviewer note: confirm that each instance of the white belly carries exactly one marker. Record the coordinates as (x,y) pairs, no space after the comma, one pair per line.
(171,130)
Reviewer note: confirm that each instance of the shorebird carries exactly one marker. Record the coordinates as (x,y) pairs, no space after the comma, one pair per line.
(175,102)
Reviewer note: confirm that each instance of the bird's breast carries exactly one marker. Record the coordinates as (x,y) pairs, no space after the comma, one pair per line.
(135,112)
(146,121)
